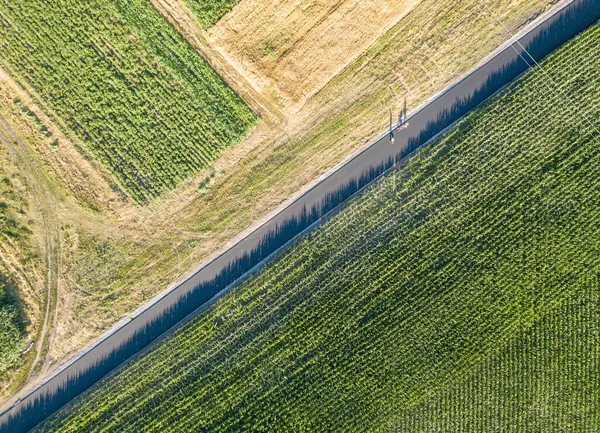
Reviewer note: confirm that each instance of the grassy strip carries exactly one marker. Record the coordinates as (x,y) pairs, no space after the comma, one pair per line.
(15,237)
(149,108)
(12,332)
(208,12)
(426,277)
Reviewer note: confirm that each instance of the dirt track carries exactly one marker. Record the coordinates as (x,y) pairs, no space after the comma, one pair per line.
(46,206)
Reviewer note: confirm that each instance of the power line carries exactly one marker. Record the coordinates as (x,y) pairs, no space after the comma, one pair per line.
(546,76)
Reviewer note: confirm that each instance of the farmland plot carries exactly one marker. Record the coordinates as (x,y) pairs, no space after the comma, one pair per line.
(548,373)
(294,49)
(11,328)
(127,84)
(461,269)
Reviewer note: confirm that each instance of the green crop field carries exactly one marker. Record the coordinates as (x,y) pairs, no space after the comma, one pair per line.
(127,84)
(208,12)
(458,293)
(548,375)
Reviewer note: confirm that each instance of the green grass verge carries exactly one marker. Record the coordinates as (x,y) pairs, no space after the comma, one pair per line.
(208,12)
(12,333)
(467,268)
(127,84)
(14,233)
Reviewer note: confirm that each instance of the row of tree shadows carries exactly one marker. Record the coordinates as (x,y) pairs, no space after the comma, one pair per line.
(40,405)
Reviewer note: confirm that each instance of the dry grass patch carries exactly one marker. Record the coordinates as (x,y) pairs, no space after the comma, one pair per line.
(290,49)
(22,267)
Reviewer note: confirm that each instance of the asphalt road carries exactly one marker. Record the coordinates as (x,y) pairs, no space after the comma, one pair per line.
(373,156)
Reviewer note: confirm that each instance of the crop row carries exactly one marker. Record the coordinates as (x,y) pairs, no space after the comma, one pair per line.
(127,84)
(429,274)
(551,369)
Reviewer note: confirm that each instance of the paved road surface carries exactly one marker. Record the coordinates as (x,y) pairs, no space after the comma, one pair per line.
(373,156)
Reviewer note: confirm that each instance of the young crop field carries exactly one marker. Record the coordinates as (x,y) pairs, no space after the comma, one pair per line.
(459,292)
(548,373)
(126,84)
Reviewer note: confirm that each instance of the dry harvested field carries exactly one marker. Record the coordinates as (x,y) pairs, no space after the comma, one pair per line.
(115,253)
(291,49)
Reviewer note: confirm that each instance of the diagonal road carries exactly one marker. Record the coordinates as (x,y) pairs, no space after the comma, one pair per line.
(195,293)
